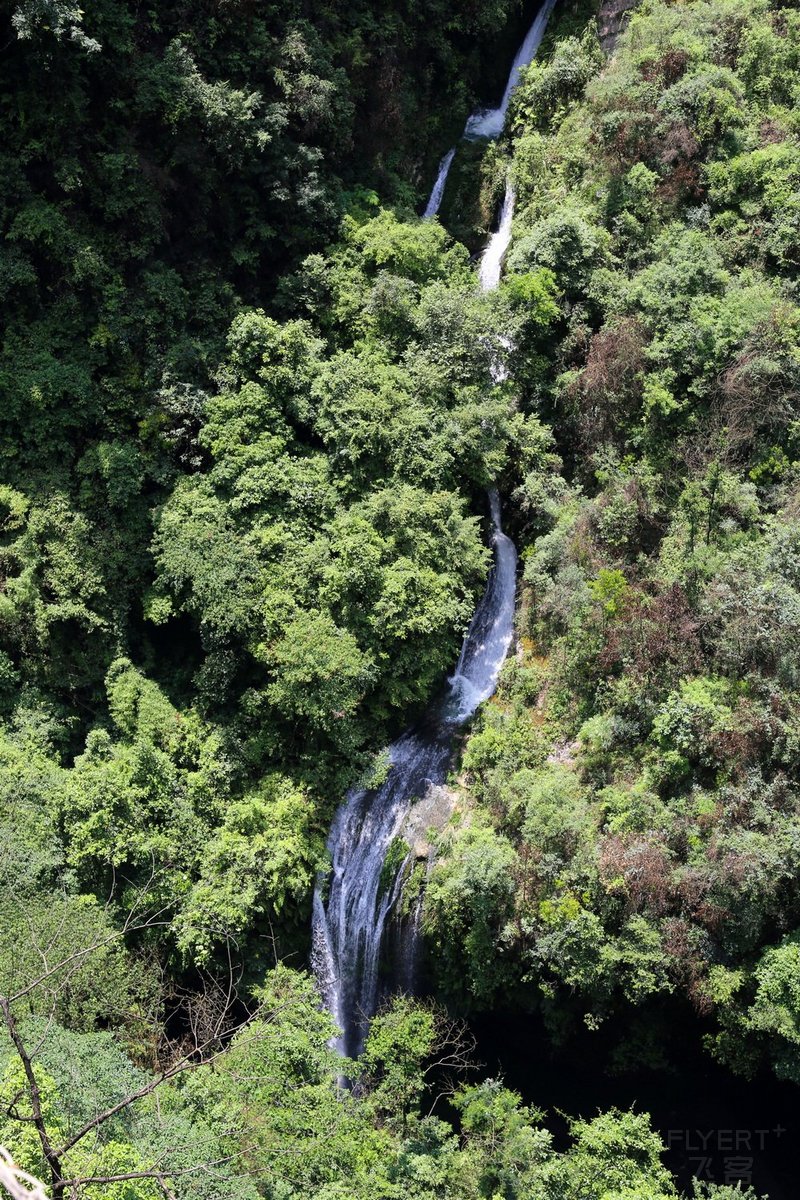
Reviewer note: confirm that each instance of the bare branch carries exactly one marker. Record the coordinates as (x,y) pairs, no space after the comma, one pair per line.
(18,1183)
(51,1156)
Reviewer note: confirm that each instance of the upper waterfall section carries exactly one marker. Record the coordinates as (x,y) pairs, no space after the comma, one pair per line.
(490,122)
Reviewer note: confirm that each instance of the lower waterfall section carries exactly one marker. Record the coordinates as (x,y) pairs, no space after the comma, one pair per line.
(492,257)
(369,863)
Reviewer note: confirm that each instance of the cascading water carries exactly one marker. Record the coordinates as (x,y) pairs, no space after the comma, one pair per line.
(366,880)
(432,207)
(495,252)
(365,886)
(488,123)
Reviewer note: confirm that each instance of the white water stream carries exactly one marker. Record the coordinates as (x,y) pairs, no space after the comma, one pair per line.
(352,907)
(348,927)
(488,123)
(432,207)
(495,252)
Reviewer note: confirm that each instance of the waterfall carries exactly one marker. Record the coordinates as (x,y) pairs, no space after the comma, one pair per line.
(365,886)
(432,207)
(488,123)
(493,255)
(410,937)
(369,862)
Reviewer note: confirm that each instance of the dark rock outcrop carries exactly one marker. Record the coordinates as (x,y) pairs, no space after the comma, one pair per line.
(612,17)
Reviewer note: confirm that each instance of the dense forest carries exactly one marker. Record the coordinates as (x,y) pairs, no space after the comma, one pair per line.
(251,404)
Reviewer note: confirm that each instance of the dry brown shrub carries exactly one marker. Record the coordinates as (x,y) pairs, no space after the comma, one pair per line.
(654,635)
(687,964)
(609,388)
(665,70)
(645,867)
(757,392)
(770,132)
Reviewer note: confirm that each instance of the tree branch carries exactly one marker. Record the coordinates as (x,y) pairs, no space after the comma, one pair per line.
(51,1155)
(18,1183)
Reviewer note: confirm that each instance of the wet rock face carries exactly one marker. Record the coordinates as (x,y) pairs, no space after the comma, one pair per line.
(428,815)
(612,17)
